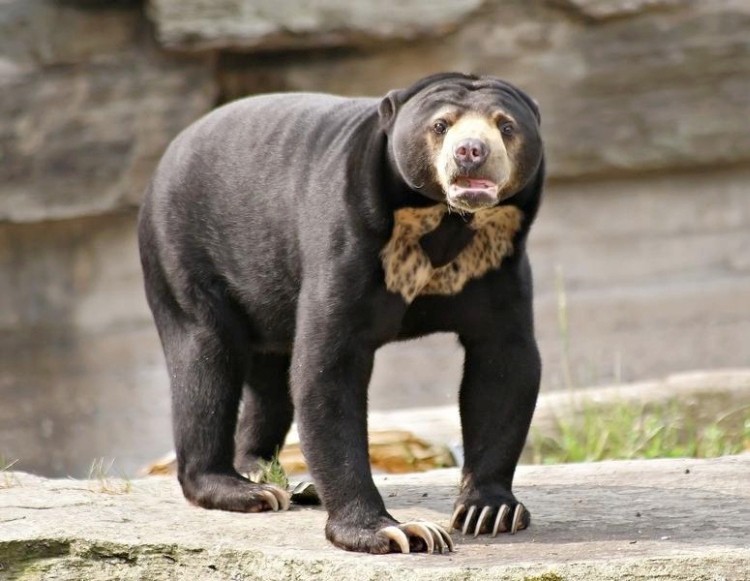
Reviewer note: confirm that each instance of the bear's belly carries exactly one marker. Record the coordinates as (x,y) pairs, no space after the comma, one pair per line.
(408,270)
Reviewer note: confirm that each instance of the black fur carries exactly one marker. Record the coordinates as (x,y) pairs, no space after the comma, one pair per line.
(260,237)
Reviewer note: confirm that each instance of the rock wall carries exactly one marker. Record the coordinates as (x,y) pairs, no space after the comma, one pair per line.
(646,113)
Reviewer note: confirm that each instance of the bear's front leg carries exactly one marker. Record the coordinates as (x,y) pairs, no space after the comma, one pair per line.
(332,361)
(498,394)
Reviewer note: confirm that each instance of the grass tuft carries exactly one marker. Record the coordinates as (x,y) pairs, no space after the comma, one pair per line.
(273,473)
(8,479)
(102,480)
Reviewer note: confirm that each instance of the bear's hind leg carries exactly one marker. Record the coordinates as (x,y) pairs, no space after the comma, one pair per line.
(207,378)
(266,414)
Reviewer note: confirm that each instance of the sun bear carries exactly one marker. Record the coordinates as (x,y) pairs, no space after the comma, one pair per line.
(284,238)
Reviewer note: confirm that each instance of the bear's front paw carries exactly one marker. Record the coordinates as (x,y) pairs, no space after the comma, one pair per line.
(476,513)
(389,536)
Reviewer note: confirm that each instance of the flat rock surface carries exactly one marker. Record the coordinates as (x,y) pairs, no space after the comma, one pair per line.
(666,519)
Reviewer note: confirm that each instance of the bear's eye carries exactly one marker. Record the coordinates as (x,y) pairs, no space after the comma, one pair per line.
(507,128)
(440,127)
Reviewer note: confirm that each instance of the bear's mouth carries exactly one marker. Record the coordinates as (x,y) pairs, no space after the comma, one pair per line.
(464,184)
(472,194)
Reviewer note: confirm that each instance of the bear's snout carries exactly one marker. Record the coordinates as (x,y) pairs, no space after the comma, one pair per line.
(470,154)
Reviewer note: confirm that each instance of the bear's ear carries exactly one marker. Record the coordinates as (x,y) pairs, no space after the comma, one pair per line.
(389,107)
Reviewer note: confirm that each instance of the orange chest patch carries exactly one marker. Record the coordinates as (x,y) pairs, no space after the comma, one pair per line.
(408,270)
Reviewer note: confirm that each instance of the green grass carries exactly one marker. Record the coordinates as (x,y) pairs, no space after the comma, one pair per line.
(273,473)
(626,431)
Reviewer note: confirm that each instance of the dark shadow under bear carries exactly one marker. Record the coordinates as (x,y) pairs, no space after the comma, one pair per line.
(284,238)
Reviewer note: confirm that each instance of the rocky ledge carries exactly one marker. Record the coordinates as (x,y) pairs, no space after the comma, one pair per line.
(676,519)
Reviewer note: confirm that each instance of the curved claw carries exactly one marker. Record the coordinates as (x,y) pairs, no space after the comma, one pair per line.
(282,496)
(517,516)
(448,540)
(480,521)
(270,498)
(445,537)
(500,520)
(421,531)
(397,536)
(437,536)
(454,517)
(285,499)
(469,516)
(442,537)
(432,535)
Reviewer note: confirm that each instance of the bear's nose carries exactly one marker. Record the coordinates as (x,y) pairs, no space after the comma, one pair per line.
(470,153)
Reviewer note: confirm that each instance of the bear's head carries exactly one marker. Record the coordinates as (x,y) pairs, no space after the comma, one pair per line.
(469,141)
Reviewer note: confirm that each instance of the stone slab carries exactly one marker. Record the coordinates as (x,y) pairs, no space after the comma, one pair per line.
(657,519)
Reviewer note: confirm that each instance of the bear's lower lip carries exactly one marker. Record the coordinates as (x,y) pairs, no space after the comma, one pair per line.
(474,184)
(470,187)
(472,194)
